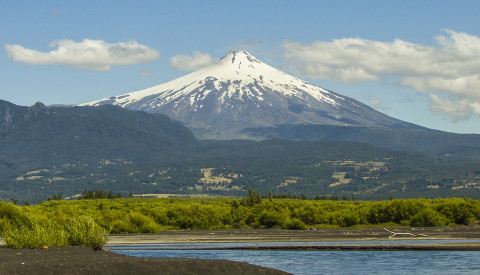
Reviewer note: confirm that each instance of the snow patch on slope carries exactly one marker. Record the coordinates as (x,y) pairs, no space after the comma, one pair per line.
(244,75)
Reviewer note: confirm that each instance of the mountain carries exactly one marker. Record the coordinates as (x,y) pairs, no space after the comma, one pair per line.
(241,92)
(431,142)
(59,134)
(46,151)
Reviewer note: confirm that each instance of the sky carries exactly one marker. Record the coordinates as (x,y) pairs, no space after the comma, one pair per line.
(418,61)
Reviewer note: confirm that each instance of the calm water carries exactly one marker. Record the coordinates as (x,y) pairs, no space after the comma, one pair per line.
(324,262)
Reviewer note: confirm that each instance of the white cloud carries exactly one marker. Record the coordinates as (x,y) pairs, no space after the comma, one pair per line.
(450,68)
(457,109)
(197,61)
(96,55)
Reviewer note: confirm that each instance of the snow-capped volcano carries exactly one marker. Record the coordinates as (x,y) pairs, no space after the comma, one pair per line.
(240,92)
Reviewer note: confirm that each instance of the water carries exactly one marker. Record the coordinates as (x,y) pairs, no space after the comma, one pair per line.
(324,262)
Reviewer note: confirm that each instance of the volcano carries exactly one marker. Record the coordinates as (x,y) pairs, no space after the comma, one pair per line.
(241,92)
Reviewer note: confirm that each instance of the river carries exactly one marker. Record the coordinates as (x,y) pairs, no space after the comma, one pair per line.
(325,261)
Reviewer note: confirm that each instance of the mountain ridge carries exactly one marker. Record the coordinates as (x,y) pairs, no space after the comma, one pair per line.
(45,151)
(58,132)
(242,92)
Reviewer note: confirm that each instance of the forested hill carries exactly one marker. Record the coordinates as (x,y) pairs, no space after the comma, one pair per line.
(39,135)
(431,142)
(65,150)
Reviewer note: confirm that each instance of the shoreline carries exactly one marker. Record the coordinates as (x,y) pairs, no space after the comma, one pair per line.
(280,235)
(81,260)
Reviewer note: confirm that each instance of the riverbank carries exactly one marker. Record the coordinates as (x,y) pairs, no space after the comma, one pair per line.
(81,260)
(278,235)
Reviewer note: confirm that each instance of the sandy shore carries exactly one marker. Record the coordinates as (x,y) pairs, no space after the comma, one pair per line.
(277,235)
(79,260)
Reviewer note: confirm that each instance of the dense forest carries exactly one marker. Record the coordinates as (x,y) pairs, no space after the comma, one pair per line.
(46,151)
(229,168)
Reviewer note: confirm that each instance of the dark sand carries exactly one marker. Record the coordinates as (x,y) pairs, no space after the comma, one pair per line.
(78,260)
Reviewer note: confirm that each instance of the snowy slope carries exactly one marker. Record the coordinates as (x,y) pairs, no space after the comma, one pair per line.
(242,92)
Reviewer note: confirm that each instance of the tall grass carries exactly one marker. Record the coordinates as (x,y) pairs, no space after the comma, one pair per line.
(35,235)
(40,233)
(85,231)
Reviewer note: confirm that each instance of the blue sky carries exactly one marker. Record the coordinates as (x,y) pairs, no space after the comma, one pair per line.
(418,61)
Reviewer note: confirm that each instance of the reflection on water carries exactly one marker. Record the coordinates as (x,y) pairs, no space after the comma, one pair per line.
(325,262)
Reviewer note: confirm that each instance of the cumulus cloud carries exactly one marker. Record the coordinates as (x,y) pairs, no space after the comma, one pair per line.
(452,67)
(88,54)
(197,61)
(457,109)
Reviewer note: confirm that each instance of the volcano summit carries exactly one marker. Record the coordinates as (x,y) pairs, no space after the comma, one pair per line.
(241,92)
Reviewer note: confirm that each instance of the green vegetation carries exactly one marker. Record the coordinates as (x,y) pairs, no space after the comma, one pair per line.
(50,223)
(22,228)
(63,151)
(313,168)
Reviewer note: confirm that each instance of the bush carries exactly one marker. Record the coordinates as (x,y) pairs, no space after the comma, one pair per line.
(348,219)
(295,224)
(85,231)
(143,224)
(428,217)
(460,211)
(38,233)
(269,219)
(11,215)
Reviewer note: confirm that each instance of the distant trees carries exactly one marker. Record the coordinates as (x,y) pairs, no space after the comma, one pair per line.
(254,197)
(57,197)
(99,194)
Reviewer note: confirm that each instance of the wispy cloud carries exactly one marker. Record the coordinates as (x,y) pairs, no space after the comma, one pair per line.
(145,73)
(96,55)
(376,102)
(452,67)
(55,13)
(253,44)
(197,61)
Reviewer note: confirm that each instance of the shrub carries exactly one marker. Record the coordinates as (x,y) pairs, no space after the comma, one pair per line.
(36,235)
(428,217)
(269,219)
(294,223)
(347,219)
(460,211)
(143,224)
(11,215)
(85,231)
